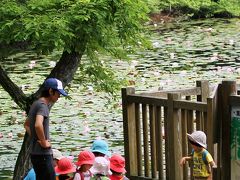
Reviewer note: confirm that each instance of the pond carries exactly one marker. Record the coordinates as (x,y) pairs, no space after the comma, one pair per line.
(182,53)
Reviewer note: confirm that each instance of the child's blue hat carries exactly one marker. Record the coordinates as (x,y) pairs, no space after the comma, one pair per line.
(101,147)
(55,84)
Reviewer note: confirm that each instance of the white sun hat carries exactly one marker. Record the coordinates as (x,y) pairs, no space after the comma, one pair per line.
(198,137)
(57,154)
(101,166)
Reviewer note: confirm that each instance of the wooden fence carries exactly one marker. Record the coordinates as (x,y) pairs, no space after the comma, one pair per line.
(155,128)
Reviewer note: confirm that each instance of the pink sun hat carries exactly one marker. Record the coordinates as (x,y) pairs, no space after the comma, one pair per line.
(117,163)
(65,166)
(85,157)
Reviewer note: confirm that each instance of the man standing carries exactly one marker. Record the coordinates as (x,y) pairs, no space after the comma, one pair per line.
(37,126)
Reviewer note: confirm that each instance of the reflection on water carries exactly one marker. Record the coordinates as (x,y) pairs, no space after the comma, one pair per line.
(182,54)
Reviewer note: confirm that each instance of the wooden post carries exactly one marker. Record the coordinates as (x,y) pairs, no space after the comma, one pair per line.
(204,85)
(129,131)
(209,125)
(174,138)
(218,134)
(228,88)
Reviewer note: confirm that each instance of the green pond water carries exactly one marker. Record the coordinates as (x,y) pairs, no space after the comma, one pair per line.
(183,53)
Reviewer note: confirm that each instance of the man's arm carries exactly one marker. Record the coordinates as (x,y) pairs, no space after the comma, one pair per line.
(27,126)
(40,132)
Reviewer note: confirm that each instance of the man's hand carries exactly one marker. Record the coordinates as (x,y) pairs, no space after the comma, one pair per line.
(44,143)
(27,126)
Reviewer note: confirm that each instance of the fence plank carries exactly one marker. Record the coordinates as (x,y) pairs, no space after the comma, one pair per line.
(139,139)
(184,142)
(198,120)
(153,140)
(159,140)
(209,125)
(166,142)
(145,141)
(133,98)
(183,92)
(183,104)
(190,128)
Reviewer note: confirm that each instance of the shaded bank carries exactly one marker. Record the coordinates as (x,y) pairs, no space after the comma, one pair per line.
(166,10)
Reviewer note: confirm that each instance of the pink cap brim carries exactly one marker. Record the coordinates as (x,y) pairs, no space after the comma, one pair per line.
(59,171)
(79,163)
(117,169)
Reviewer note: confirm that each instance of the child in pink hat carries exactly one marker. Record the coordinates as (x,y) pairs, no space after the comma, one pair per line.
(64,168)
(84,163)
(117,166)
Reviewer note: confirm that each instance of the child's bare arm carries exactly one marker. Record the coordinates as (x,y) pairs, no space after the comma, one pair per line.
(212,163)
(184,159)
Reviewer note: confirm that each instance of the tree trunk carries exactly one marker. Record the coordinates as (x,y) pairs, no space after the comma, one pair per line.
(64,71)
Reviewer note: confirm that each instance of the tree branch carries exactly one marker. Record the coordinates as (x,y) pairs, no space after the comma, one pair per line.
(13,90)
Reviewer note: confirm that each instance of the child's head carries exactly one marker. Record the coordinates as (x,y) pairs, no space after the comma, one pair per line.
(85,160)
(65,166)
(198,140)
(117,164)
(101,166)
(100,148)
(57,155)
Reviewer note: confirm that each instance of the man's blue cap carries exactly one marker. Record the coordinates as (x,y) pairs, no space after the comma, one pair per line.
(101,147)
(55,84)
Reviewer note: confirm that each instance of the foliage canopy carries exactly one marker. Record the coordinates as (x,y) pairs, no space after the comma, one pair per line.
(112,27)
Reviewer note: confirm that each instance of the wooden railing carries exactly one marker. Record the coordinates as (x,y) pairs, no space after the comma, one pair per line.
(155,127)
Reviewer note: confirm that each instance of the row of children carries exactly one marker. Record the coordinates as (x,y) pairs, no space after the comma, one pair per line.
(94,164)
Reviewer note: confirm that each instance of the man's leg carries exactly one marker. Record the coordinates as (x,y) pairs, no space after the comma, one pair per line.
(43,167)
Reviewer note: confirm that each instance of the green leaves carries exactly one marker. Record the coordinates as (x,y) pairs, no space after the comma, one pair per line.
(64,24)
(91,27)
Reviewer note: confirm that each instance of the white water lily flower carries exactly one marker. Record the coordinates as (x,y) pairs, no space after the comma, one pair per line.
(143,79)
(213,58)
(10,135)
(31,65)
(156,73)
(134,62)
(156,44)
(172,55)
(238,70)
(86,129)
(90,88)
(175,64)
(183,73)
(231,41)
(88,113)
(52,63)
